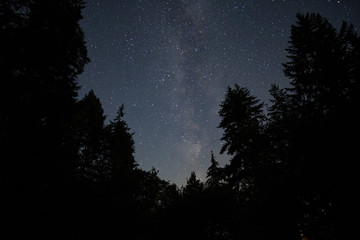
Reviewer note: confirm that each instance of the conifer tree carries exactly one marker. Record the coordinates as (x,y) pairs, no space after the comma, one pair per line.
(242,119)
(214,174)
(92,164)
(120,147)
(314,122)
(193,187)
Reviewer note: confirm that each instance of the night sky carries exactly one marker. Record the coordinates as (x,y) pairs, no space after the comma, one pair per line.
(170,61)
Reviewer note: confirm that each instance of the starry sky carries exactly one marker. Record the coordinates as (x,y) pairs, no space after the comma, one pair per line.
(170,61)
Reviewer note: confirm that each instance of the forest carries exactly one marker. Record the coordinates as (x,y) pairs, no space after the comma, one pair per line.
(67,173)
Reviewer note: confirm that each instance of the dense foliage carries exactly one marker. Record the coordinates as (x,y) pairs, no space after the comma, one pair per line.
(66,173)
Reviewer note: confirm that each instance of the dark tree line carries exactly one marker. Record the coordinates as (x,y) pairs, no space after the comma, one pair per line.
(42,52)
(293,168)
(66,173)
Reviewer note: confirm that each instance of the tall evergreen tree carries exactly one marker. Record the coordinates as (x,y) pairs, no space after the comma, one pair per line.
(242,119)
(92,165)
(214,174)
(120,147)
(323,72)
(280,118)
(314,122)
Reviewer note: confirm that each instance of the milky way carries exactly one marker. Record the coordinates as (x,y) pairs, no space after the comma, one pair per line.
(170,61)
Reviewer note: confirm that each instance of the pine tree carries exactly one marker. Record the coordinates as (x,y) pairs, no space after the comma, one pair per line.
(242,119)
(92,165)
(323,66)
(120,147)
(214,174)
(324,85)
(193,187)
(315,123)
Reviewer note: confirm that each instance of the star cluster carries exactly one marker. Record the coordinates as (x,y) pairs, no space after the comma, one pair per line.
(170,61)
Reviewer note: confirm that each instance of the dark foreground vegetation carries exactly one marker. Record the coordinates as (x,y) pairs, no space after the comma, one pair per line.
(66,174)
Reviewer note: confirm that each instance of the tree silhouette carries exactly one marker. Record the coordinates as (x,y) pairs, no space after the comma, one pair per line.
(150,191)
(191,210)
(284,167)
(120,146)
(242,120)
(313,122)
(42,53)
(193,186)
(40,111)
(214,174)
(92,165)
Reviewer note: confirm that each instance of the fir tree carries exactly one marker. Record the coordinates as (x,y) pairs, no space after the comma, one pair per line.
(193,186)
(120,147)
(214,174)
(242,119)
(92,165)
